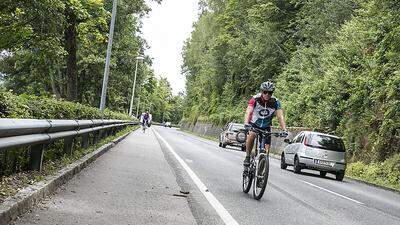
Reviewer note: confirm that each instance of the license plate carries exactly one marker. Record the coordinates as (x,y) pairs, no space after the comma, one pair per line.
(323,162)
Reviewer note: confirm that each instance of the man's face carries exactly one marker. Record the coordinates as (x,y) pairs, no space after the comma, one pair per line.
(266,95)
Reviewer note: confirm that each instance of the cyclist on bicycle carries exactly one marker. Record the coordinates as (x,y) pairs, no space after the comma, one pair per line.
(260,111)
(145,118)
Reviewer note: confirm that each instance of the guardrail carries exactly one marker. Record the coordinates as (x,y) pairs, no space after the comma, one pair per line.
(37,134)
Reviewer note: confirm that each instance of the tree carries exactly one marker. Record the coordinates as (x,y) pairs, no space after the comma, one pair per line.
(57,47)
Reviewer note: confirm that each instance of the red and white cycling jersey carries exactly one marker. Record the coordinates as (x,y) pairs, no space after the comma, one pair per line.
(263,111)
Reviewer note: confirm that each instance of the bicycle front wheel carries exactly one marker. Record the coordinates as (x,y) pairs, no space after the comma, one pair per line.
(261,178)
(247,179)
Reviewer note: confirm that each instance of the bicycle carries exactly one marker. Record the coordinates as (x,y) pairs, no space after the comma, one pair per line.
(144,127)
(257,172)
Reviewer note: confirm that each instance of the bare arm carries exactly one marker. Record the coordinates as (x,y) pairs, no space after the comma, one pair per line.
(281,119)
(249,111)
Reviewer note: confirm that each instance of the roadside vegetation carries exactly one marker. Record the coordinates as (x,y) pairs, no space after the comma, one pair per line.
(33,107)
(52,56)
(384,173)
(57,49)
(335,64)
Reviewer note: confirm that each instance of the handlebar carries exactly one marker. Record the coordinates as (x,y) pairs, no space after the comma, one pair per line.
(263,132)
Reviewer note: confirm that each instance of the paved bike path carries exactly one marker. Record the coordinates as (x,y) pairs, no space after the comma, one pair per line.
(130,184)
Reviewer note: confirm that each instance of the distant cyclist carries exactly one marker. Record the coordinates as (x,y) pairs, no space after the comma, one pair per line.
(145,120)
(260,111)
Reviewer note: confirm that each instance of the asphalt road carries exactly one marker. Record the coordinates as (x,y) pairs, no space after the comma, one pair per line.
(289,198)
(141,181)
(132,183)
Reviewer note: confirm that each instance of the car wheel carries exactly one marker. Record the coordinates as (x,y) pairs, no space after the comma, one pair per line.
(224,145)
(220,145)
(296,166)
(340,175)
(283,163)
(322,173)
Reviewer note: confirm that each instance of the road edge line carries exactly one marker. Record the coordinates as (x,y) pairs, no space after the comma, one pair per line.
(219,208)
(332,192)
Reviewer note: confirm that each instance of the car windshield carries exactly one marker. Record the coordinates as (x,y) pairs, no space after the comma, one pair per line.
(236,127)
(326,142)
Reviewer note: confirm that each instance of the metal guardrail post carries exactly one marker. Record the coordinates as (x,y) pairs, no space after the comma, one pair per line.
(36,157)
(85,141)
(105,133)
(69,145)
(110,131)
(96,137)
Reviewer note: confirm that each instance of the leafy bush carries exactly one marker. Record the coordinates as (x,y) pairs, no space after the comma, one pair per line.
(386,173)
(33,107)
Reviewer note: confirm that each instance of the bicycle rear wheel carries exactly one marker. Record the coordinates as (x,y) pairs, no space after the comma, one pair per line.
(261,178)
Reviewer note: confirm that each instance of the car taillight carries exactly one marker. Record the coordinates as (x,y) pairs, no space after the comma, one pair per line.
(305,140)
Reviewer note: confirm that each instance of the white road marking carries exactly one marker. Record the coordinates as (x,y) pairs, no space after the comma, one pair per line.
(332,192)
(222,212)
(189,160)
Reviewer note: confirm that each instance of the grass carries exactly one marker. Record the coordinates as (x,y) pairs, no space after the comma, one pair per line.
(10,185)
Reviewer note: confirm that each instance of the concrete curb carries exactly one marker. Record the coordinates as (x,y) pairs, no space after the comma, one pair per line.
(29,196)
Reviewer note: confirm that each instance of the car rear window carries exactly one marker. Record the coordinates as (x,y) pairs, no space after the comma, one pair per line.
(236,127)
(326,142)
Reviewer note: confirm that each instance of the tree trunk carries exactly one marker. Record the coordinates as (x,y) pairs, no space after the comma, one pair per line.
(70,47)
(54,88)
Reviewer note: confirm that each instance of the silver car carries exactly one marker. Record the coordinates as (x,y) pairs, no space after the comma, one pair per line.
(228,136)
(317,151)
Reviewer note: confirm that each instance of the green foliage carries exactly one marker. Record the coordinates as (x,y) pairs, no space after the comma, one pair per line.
(386,173)
(235,45)
(349,85)
(30,106)
(156,97)
(57,48)
(335,64)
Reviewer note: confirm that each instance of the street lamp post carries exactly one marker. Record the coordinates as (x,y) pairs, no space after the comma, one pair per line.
(137,109)
(107,66)
(134,84)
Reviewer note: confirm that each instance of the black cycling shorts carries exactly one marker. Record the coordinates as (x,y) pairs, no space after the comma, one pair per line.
(266,138)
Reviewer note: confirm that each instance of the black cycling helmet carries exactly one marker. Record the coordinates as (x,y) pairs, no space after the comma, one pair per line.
(267,86)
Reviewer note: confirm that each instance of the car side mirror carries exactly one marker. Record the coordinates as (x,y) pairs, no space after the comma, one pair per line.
(288,141)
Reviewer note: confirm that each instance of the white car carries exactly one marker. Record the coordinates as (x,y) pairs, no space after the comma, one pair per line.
(317,151)
(167,124)
(228,136)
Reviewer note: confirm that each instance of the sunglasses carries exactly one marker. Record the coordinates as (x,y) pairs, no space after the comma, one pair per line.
(268,92)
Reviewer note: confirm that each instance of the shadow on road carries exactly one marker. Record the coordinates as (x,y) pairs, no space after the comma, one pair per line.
(311,173)
(232,148)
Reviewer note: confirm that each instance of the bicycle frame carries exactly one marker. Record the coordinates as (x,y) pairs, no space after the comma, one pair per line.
(260,144)
(260,154)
